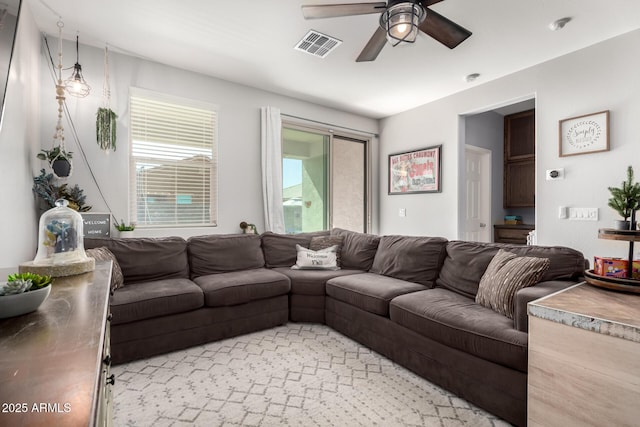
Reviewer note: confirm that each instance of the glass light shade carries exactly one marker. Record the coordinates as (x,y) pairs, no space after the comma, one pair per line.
(401,22)
(60,239)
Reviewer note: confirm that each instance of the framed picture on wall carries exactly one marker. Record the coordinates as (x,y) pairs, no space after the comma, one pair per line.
(584,134)
(415,171)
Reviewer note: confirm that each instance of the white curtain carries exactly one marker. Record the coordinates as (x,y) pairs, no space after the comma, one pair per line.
(271,140)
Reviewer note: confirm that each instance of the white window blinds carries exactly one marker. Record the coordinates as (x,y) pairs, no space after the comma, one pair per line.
(173,162)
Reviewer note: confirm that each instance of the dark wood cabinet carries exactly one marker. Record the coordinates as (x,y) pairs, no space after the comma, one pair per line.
(55,361)
(507,233)
(519,184)
(519,160)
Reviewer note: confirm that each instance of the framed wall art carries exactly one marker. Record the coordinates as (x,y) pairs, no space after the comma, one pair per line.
(415,171)
(584,134)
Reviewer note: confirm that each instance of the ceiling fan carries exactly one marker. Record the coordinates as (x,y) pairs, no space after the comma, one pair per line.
(400,22)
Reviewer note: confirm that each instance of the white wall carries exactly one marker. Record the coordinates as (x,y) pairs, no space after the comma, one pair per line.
(239,175)
(601,77)
(19,142)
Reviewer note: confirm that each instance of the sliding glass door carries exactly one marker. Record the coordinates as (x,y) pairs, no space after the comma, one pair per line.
(349,184)
(324,180)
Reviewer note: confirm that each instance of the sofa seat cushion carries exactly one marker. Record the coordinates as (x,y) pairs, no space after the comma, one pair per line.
(312,282)
(416,259)
(138,301)
(239,287)
(457,321)
(369,292)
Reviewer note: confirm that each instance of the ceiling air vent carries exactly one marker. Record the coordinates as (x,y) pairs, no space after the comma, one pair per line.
(317,44)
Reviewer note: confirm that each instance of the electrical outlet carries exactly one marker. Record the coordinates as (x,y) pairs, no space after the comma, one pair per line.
(402,212)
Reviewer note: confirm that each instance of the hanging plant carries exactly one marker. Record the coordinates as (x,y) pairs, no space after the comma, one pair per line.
(105,117)
(106,128)
(59,159)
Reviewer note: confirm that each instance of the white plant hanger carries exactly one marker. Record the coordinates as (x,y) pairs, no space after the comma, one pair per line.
(105,117)
(58,136)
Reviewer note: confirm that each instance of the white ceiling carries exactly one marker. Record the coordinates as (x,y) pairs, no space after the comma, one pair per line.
(251,42)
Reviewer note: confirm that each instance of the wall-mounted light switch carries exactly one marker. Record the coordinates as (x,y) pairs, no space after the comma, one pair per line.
(562,212)
(402,212)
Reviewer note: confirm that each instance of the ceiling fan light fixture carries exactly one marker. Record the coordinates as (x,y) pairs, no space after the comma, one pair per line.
(401,22)
(76,84)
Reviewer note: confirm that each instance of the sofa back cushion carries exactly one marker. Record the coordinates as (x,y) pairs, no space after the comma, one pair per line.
(358,249)
(143,259)
(466,262)
(280,249)
(221,253)
(415,259)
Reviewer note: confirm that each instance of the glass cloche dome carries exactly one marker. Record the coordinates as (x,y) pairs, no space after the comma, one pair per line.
(60,239)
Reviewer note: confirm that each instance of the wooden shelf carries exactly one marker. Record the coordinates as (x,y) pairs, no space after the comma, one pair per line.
(625,235)
(630,236)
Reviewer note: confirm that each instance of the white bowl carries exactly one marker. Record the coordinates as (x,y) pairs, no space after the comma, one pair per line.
(26,302)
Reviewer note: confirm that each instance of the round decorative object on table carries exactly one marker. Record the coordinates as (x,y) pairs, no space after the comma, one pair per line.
(613,283)
(60,244)
(26,302)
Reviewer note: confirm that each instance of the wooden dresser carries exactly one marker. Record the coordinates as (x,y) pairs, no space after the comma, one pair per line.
(54,362)
(516,233)
(584,358)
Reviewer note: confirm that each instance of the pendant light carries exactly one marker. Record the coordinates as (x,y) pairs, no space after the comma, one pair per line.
(76,85)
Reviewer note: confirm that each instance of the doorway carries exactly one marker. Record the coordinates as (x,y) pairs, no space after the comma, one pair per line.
(485,129)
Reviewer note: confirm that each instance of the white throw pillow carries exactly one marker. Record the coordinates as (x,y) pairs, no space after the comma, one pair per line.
(323,259)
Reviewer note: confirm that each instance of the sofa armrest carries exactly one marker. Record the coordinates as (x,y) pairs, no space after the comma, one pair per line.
(531,293)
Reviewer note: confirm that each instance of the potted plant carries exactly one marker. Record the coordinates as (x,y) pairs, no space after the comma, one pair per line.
(248,228)
(45,188)
(23,293)
(59,159)
(125,230)
(625,200)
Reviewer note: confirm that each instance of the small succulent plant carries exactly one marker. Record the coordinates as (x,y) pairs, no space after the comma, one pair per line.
(15,287)
(24,282)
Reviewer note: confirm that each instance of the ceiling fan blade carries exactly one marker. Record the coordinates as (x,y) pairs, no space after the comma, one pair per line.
(427,3)
(345,9)
(374,46)
(444,30)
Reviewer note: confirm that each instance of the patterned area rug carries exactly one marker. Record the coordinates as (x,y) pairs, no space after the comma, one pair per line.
(295,375)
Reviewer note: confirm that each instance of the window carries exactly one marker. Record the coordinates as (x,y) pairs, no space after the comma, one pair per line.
(324,179)
(173,161)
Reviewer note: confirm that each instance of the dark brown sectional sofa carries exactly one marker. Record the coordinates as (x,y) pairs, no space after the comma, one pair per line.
(408,298)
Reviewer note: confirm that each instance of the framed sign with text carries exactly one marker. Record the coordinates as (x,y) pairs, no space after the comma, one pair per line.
(96,224)
(584,134)
(415,171)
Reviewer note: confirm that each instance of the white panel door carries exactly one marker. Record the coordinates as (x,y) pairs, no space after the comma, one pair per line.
(478,195)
